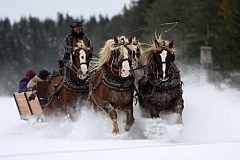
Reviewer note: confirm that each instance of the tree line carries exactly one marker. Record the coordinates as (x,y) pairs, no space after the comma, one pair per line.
(31,43)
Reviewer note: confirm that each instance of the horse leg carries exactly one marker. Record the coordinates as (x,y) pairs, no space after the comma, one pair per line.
(130,119)
(178,109)
(153,111)
(94,108)
(113,115)
(71,113)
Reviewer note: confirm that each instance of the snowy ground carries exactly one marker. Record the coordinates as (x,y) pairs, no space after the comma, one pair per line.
(211,131)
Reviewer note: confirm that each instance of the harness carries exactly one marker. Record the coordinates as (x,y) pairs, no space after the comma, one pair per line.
(69,84)
(162,85)
(54,94)
(76,86)
(112,82)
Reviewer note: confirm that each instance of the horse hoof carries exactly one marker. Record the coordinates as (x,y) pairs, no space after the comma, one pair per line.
(115,132)
(127,128)
(180,121)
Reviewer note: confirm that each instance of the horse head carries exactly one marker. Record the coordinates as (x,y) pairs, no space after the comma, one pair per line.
(163,55)
(81,58)
(121,54)
(158,59)
(137,51)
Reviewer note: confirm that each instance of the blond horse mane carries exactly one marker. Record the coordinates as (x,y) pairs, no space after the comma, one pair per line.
(105,53)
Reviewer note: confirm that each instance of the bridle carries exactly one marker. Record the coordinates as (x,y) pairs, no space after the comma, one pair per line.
(77,70)
(115,51)
(154,67)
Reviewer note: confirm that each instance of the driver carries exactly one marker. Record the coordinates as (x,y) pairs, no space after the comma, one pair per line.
(77,34)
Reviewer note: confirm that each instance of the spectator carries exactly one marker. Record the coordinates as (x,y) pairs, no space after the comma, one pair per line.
(29,74)
(42,76)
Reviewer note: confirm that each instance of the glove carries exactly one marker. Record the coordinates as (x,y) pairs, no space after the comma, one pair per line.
(70,50)
(68,63)
(32,96)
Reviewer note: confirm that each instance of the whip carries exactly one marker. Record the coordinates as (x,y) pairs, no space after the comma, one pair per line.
(162,24)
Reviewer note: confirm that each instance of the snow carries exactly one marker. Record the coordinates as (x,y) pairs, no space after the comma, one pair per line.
(211,131)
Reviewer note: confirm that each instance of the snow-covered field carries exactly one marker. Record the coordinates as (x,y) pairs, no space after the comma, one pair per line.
(211,131)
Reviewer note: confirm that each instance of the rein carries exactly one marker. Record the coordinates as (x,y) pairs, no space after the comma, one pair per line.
(55,92)
(75,69)
(138,68)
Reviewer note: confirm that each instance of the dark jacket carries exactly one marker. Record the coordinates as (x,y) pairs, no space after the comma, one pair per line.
(68,43)
(23,85)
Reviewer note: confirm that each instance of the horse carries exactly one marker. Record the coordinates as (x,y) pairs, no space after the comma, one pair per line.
(160,89)
(137,65)
(67,91)
(112,85)
(137,51)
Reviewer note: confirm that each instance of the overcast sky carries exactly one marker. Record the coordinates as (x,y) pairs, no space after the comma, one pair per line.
(15,9)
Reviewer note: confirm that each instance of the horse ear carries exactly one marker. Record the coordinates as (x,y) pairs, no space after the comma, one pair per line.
(156,43)
(137,40)
(154,56)
(171,44)
(85,41)
(130,40)
(173,57)
(115,39)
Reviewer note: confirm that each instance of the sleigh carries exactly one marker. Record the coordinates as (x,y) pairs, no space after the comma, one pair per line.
(31,109)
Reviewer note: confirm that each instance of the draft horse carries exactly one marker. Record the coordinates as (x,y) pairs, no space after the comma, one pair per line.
(112,86)
(160,89)
(68,91)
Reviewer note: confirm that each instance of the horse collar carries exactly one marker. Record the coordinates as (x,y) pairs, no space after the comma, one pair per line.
(109,80)
(76,86)
(170,83)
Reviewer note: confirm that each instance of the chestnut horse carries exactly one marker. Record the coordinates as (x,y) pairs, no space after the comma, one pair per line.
(66,92)
(160,89)
(112,86)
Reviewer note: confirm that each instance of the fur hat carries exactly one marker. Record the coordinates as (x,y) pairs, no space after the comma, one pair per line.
(43,74)
(30,73)
(76,24)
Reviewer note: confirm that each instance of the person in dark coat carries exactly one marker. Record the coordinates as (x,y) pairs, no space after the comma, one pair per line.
(29,74)
(77,34)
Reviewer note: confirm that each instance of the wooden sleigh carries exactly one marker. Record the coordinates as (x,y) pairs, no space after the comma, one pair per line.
(34,109)
(31,109)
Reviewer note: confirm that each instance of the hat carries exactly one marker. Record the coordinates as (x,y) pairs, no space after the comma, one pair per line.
(43,74)
(76,24)
(30,73)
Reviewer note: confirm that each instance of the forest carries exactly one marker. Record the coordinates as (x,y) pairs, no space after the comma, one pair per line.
(32,43)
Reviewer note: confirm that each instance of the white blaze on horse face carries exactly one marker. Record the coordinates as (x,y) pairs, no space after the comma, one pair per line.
(125,70)
(83,62)
(163,56)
